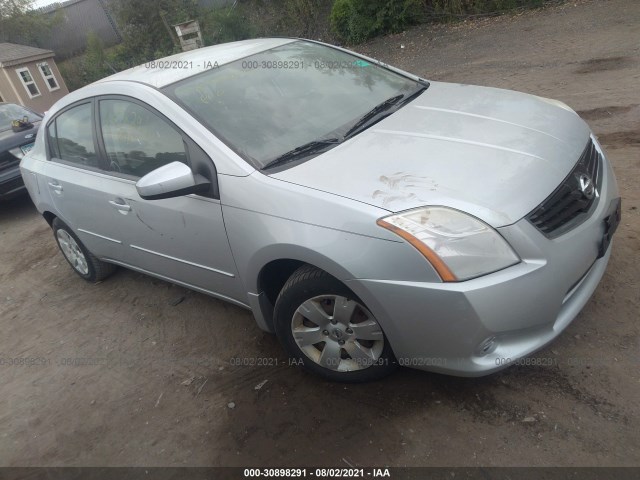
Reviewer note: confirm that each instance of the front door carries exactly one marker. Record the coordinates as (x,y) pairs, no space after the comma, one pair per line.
(182,238)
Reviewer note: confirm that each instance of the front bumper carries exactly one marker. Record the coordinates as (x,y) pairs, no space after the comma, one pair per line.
(477,327)
(11,183)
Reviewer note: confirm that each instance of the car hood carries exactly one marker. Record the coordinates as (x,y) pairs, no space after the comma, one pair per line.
(493,153)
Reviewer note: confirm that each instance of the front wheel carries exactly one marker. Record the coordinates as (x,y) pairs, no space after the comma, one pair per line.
(326,328)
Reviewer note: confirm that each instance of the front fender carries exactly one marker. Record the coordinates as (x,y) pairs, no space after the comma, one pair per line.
(268,220)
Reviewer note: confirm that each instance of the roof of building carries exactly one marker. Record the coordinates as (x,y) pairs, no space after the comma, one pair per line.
(165,71)
(13,54)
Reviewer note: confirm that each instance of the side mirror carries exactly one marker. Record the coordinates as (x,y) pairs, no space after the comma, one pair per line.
(172,180)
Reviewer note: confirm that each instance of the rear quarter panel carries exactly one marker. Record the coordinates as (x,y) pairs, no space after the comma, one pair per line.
(32,170)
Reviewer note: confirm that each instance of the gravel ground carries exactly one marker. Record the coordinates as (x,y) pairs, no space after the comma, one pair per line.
(135,371)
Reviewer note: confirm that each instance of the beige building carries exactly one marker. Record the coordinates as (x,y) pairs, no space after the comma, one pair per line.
(29,76)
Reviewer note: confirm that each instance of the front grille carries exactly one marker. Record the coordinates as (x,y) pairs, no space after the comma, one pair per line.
(570,204)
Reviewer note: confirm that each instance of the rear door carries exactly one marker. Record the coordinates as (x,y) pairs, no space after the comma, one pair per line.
(79,188)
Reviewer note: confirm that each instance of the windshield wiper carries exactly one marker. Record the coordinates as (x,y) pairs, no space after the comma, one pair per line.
(371,114)
(302,150)
(376,113)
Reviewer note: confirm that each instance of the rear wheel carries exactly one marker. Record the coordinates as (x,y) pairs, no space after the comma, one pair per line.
(83,262)
(325,327)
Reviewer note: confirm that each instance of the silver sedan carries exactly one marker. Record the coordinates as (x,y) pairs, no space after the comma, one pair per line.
(369,217)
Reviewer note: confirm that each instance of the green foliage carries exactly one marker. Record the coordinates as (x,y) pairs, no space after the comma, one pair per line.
(301,16)
(357,20)
(224,25)
(72,72)
(20,24)
(146,27)
(13,8)
(88,68)
(95,67)
(287,18)
(454,8)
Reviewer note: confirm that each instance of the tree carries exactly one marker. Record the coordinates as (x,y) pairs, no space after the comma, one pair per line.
(95,66)
(357,20)
(13,8)
(144,26)
(19,23)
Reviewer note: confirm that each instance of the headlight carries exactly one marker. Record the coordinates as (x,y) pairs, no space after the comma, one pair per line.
(458,245)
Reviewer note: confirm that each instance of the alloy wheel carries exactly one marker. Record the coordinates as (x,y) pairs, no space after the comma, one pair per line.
(337,333)
(72,252)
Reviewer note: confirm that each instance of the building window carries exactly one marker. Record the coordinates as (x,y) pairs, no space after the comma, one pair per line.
(48,76)
(28,82)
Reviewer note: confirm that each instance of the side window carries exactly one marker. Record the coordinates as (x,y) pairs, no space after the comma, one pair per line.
(136,140)
(71,136)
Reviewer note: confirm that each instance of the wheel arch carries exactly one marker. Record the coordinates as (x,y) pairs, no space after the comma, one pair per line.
(49,217)
(272,267)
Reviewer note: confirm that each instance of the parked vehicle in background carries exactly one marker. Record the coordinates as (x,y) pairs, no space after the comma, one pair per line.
(15,142)
(366,216)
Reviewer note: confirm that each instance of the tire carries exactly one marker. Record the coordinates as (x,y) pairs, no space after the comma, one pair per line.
(83,262)
(328,330)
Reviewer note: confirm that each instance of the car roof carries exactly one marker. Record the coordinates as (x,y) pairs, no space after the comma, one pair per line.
(177,67)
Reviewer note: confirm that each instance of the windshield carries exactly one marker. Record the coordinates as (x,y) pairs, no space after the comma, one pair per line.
(268,104)
(10,112)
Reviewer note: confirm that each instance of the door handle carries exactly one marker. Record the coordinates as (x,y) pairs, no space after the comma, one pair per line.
(123,207)
(56,186)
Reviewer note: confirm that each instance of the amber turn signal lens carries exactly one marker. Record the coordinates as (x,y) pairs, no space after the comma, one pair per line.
(436,262)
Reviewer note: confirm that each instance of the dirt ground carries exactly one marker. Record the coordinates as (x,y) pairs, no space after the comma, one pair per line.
(135,371)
